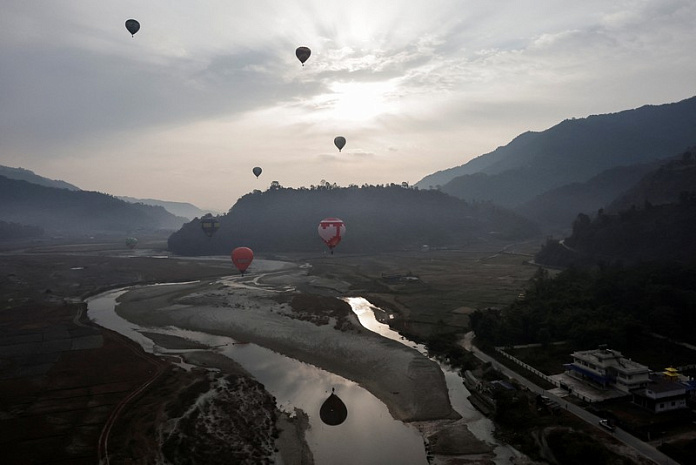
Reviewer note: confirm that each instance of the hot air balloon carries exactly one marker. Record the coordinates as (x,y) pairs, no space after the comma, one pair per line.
(333,411)
(257,171)
(133,26)
(340,142)
(209,225)
(131,242)
(242,258)
(302,53)
(331,231)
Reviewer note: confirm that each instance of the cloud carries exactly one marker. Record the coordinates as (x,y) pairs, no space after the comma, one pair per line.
(207,89)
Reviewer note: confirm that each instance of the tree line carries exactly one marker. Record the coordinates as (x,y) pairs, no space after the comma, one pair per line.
(378,218)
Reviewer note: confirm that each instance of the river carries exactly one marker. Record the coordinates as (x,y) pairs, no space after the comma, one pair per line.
(368,436)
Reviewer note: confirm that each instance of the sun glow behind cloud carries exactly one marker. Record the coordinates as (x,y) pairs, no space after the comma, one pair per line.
(356,101)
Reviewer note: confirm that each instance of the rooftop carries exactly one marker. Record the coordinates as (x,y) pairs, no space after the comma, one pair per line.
(608,357)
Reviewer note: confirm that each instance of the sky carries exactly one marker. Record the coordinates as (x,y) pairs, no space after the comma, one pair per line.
(207,90)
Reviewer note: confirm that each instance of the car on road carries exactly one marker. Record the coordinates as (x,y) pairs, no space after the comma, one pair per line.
(607,424)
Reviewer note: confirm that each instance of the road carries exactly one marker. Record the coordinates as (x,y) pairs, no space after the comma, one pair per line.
(641,447)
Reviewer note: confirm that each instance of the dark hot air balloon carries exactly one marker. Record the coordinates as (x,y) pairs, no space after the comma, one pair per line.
(340,142)
(242,258)
(257,171)
(209,225)
(133,26)
(331,231)
(333,411)
(131,242)
(302,53)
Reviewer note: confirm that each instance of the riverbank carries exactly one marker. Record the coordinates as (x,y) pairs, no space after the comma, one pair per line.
(409,384)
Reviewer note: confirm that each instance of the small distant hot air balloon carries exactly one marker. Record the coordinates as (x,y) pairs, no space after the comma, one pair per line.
(302,53)
(133,26)
(242,258)
(340,142)
(257,171)
(333,411)
(331,231)
(131,242)
(209,225)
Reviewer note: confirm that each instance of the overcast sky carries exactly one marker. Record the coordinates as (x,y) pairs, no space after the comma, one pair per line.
(207,90)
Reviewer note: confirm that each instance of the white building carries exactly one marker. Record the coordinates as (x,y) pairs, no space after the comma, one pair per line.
(608,369)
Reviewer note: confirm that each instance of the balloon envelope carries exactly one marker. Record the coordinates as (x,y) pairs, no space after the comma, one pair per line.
(333,411)
(302,53)
(257,171)
(210,225)
(242,258)
(331,231)
(133,26)
(340,142)
(131,242)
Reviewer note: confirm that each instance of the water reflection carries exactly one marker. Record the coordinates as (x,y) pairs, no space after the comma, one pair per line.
(478,424)
(333,411)
(369,435)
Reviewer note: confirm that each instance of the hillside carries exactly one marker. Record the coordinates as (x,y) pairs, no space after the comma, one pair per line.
(572,151)
(25,175)
(377,218)
(65,211)
(183,209)
(663,185)
(556,209)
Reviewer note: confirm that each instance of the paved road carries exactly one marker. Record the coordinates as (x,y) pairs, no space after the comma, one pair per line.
(643,448)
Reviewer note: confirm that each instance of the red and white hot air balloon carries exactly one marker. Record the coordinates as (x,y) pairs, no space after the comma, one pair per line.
(331,231)
(242,258)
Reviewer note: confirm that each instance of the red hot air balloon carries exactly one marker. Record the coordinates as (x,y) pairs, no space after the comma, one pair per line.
(242,258)
(331,231)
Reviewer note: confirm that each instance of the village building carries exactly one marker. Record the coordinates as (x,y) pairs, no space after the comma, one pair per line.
(608,369)
(661,395)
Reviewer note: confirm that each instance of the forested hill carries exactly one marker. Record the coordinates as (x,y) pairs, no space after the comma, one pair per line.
(78,212)
(653,221)
(377,218)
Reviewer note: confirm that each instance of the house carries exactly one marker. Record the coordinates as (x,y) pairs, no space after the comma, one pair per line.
(661,395)
(608,368)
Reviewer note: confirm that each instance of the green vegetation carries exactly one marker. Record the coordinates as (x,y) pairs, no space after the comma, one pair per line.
(615,305)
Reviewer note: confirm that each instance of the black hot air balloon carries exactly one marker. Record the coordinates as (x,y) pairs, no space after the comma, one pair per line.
(257,171)
(333,411)
(209,225)
(302,53)
(340,142)
(133,26)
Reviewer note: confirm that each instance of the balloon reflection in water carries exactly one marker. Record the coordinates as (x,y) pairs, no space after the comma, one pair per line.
(333,411)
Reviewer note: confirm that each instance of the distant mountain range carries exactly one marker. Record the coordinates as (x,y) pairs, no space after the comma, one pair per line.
(184,209)
(377,218)
(573,151)
(76,212)
(29,176)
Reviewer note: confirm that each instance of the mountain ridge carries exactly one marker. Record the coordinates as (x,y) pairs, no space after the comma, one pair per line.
(571,151)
